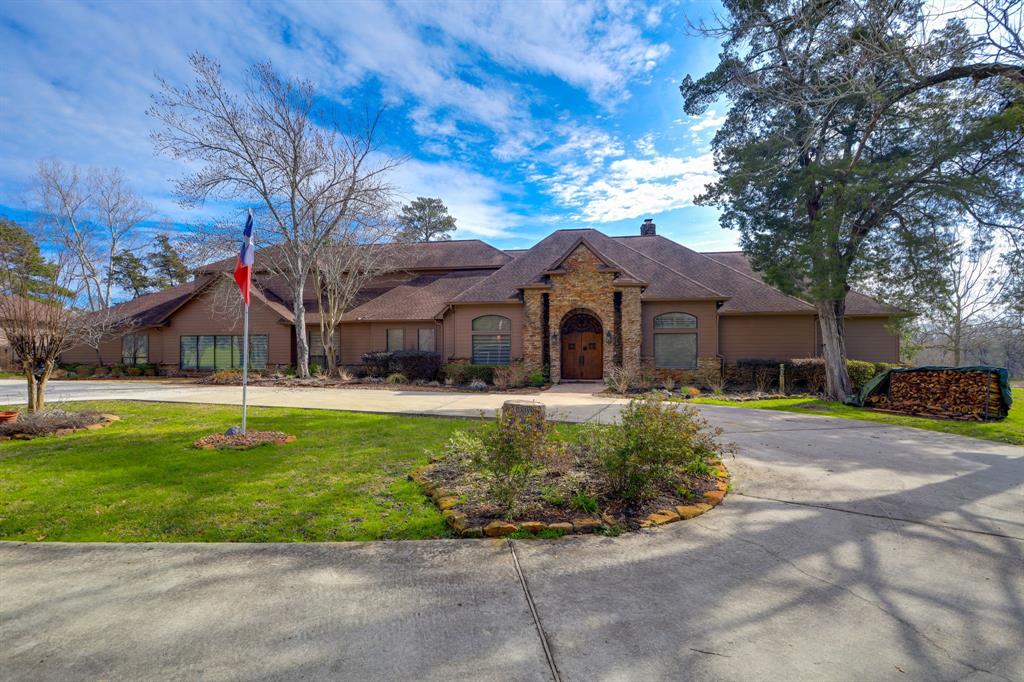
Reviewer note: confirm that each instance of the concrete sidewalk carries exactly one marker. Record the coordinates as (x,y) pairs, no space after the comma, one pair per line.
(570,406)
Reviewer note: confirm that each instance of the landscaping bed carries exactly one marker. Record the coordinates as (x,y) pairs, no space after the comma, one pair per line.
(242,441)
(52,422)
(519,476)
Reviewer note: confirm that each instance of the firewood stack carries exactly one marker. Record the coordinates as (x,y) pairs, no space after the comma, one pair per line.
(970,395)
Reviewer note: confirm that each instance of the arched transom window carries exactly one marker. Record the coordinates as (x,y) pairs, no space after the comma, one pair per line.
(675,341)
(492,340)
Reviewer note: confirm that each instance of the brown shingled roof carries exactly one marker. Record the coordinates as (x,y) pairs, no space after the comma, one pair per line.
(530,266)
(152,309)
(856,302)
(461,254)
(421,298)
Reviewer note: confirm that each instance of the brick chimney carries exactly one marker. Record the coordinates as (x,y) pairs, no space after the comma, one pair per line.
(648,229)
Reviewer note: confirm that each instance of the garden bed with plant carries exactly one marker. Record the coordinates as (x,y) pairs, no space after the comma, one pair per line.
(519,474)
(50,422)
(404,370)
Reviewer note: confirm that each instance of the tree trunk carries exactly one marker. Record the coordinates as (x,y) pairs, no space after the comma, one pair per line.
(830,320)
(330,352)
(99,357)
(301,342)
(40,402)
(30,379)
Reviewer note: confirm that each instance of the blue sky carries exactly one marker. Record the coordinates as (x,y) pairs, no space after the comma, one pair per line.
(523,117)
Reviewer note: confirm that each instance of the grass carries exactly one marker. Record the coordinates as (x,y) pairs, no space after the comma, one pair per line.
(1009,430)
(140,480)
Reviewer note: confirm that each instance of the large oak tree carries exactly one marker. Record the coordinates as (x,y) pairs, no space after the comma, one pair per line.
(860,134)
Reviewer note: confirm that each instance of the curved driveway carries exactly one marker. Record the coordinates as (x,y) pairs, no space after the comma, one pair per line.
(846,551)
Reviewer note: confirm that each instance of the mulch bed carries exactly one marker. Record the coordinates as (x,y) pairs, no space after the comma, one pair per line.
(461,491)
(53,422)
(252,439)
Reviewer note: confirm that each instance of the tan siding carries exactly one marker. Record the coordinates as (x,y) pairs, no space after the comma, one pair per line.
(868,338)
(771,337)
(197,317)
(362,337)
(110,350)
(462,321)
(707,327)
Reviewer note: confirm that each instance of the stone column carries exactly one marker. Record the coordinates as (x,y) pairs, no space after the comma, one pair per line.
(632,328)
(533,329)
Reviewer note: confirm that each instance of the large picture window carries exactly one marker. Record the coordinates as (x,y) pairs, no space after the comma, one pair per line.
(134,349)
(206,353)
(675,341)
(492,340)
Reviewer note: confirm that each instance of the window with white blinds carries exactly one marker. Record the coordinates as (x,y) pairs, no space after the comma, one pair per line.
(211,352)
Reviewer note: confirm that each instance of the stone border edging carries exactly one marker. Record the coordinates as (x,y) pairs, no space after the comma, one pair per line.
(459,522)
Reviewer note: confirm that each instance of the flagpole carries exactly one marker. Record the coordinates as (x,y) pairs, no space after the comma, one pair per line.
(245,363)
(245,354)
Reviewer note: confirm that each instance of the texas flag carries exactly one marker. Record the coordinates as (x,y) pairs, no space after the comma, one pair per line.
(243,269)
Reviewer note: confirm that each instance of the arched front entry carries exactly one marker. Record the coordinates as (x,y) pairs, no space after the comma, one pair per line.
(582,347)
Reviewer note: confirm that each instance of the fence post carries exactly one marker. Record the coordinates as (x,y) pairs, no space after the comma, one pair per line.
(782,378)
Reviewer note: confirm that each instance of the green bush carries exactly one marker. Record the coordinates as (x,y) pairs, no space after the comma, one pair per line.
(538,378)
(417,364)
(461,372)
(378,363)
(860,372)
(513,449)
(654,438)
(881,367)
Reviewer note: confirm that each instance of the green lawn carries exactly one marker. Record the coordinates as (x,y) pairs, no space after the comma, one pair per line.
(1009,430)
(140,480)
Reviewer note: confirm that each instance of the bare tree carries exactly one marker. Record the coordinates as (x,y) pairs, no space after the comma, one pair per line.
(354,256)
(970,303)
(99,326)
(273,147)
(40,324)
(90,217)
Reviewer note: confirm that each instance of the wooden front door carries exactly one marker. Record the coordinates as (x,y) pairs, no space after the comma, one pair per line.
(582,348)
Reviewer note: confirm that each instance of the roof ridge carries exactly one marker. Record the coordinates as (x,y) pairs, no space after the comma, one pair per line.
(670,268)
(742,274)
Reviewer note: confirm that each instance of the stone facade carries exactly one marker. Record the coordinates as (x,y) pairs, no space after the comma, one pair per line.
(585,285)
(533,328)
(632,329)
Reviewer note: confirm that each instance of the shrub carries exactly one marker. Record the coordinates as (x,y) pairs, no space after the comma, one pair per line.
(397,378)
(225,376)
(84,371)
(653,438)
(477,385)
(314,369)
(538,378)
(881,367)
(690,391)
(621,379)
(465,446)
(513,446)
(461,372)
(807,372)
(417,364)
(344,375)
(133,371)
(860,372)
(378,363)
(584,502)
(510,376)
(669,384)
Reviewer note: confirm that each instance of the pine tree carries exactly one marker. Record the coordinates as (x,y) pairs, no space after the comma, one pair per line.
(128,271)
(427,220)
(166,266)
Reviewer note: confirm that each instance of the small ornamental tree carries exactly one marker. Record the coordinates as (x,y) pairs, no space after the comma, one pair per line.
(858,135)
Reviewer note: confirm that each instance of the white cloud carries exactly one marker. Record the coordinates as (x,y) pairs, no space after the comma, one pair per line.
(645,145)
(630,188)
(475,200)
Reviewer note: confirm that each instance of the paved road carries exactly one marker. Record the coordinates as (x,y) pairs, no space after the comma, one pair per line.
(847,551)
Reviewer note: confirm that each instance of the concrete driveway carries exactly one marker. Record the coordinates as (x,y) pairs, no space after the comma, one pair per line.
(847,551)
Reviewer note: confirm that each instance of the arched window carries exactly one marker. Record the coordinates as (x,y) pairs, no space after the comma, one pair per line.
(675,341)
(492,340)
(675,321)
